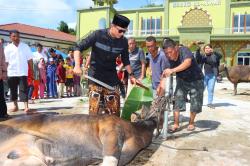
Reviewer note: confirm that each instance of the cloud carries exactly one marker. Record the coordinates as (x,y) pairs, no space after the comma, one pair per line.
(45,13)
(158,2)
(80,4)
(72,25)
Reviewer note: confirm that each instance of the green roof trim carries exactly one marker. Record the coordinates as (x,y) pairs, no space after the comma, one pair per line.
(94,9)
(231,37)
(195,29)
(240,4)
(142,10)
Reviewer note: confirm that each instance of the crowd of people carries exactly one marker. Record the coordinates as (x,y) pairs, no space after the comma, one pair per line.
(111,48)
(115,61)
(30,76)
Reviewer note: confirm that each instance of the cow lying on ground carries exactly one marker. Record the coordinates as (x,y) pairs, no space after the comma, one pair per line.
(75,140)
(237,74)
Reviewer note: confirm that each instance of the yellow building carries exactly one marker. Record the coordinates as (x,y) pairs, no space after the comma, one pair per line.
(223,23)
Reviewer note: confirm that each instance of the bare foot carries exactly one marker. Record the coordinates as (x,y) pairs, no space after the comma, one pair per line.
(29,111)
(15,109)
(31,102)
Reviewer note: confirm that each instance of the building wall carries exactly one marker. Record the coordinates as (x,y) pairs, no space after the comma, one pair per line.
(236,10)
(133,17)
(149,15)
(231,49)
(94,15)
(240,10)
(177,9)
(138,15)
(213,23)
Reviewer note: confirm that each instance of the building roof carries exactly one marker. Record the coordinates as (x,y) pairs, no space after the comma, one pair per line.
(32,30)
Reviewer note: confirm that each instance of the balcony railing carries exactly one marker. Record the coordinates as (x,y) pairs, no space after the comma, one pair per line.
(174,32)
(157,32)
(233,30)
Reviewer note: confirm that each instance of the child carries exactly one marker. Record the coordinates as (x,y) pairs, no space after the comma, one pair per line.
(69,77)
(51,78)
(36,81)
(30,80)
(77,85)
(42,74)
(61,78)
(120,74)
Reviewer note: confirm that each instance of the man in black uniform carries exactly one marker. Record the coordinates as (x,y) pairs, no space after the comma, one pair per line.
(107,45)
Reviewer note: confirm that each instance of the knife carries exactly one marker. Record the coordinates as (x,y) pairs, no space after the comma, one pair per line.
(99,82)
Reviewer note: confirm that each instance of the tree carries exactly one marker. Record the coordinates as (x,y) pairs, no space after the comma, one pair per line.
(101,2)
(72,31)
(63,27)
(152,5)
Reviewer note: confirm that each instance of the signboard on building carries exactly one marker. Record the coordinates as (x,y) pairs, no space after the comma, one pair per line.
(197,3)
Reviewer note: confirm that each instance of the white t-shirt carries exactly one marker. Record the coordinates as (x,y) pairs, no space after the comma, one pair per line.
(17,59)
(37,56)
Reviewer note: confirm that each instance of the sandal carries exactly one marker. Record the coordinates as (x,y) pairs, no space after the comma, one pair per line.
(173,129)
(190,128)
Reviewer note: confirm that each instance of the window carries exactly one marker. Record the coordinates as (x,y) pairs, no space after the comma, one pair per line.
(158,26)
(130,28)
(151,26)
(240,20)
(102,23)
(244,58)
(148,26)
(248,22)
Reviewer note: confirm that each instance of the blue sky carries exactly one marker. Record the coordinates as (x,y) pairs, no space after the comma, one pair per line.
(48,13)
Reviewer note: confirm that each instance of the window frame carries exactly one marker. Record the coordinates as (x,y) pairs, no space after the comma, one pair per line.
(150,26)
(240,26)
(243,57)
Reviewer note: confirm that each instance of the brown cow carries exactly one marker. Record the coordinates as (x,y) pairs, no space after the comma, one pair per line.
(46,140)
(237,74)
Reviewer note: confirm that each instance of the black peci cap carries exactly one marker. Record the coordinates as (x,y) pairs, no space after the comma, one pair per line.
(120,21)
(51,50)
(13,31)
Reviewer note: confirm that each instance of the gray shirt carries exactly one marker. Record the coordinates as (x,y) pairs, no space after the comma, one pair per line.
(158,64)
(136,57)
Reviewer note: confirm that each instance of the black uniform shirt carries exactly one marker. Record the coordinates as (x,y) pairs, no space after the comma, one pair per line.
(192,73)
(105,50)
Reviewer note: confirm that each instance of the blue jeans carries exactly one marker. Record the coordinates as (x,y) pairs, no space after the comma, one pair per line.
(30,91)
(209,82)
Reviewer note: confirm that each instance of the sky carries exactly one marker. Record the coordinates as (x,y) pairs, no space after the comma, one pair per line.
(49,13)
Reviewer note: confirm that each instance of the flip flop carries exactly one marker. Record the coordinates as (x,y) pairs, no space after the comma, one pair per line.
(190,128)
(173,129)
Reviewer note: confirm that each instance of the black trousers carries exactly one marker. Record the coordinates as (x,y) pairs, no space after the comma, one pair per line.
(14,83)
(3,107)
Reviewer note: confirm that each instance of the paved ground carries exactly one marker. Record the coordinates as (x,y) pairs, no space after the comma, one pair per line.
(222,135)
(221,138)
